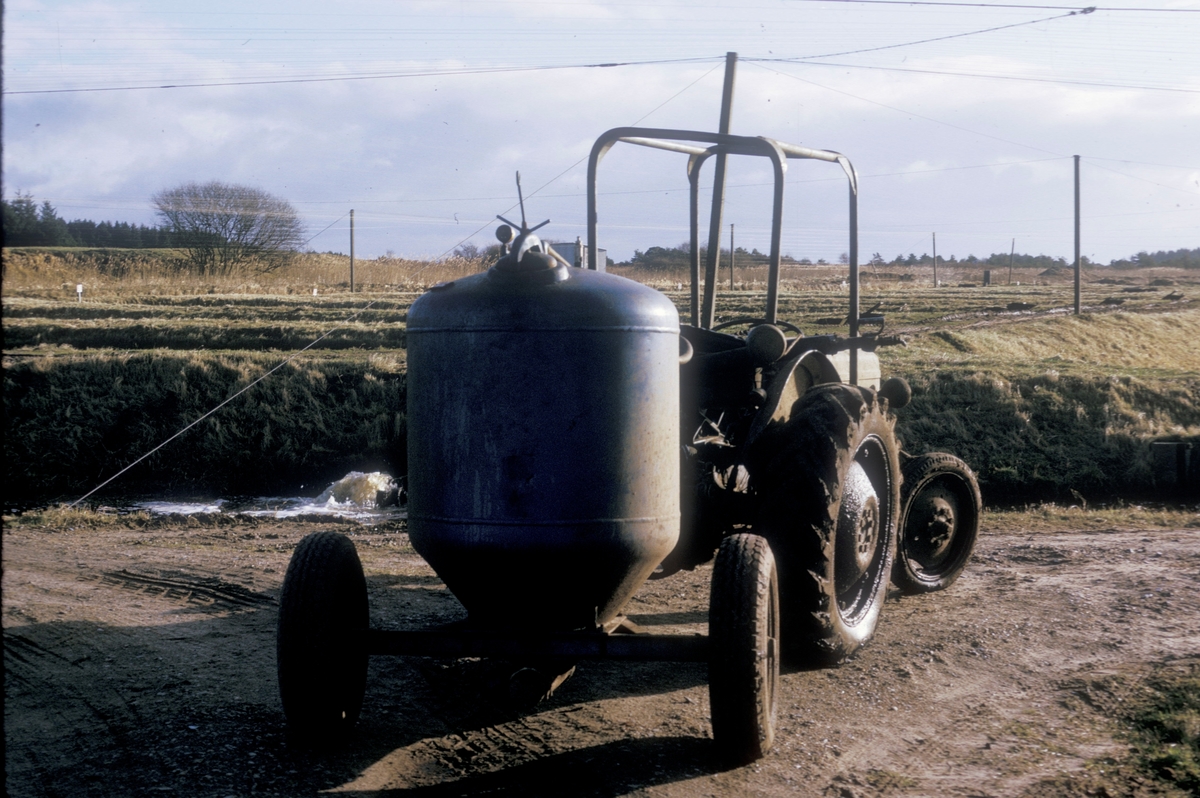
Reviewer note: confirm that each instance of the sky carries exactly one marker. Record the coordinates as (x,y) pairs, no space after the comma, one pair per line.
(962,119)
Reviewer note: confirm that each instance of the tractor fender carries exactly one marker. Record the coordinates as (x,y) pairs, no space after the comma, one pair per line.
(793,379)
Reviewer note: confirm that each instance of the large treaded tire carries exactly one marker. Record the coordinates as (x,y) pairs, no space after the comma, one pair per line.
(939,522)
(834,556)
(743,628)
(320,647)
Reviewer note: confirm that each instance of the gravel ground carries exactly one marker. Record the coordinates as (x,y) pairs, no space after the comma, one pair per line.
(139,660)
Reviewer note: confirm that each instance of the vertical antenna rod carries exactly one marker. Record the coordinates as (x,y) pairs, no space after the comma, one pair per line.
(718,199)
(521,199)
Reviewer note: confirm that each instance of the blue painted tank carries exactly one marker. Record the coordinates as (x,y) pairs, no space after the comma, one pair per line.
(543,435)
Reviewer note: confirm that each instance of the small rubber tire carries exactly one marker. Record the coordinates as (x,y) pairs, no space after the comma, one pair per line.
(320,650)
(939,523)
(835,556)
(743,629)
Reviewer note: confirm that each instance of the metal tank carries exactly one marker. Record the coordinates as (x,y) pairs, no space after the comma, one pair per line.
(543,439)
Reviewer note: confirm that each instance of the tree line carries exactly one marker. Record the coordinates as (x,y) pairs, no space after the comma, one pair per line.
(222,227)
(26,224)
(679,257)
(1176,258)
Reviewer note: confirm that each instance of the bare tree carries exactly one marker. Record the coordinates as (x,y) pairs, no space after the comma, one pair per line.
(223,225)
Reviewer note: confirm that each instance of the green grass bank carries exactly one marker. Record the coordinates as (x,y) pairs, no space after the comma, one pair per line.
(1056,408)
(73,420)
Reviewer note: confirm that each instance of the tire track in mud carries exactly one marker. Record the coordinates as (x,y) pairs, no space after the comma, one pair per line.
(65,695)
(202,591)
(136,678)
(1042,700)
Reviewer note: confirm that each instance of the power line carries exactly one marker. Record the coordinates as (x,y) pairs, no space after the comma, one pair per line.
(326,227)
(1140,163)
(373,76)
(934,39)
(983,75)
(569,168)
(1144,180)
(909,113)
(262,377)
(1077,9)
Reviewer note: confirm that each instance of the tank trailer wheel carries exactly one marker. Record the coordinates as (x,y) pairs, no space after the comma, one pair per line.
(743,628)
(939,522)
(829,479)
(320,650)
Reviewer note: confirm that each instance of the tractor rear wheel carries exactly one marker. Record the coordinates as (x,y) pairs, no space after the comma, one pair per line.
(939,522)
(829,484)
(320,647)
(743,629)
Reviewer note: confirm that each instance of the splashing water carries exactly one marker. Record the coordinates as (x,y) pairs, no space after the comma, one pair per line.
(370,498)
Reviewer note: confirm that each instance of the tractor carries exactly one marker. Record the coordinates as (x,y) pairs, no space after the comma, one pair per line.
(570,439)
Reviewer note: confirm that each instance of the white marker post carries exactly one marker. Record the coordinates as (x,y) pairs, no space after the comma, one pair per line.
(79,291)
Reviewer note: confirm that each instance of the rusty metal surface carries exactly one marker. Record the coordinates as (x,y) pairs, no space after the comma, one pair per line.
(543,441)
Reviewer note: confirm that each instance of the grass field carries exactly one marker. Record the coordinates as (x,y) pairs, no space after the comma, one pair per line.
(1043,404)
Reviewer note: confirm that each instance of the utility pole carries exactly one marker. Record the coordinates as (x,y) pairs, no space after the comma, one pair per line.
(935,282)
(732,256)
(718,199)
(1077,258)
(352,250)
(1011,253)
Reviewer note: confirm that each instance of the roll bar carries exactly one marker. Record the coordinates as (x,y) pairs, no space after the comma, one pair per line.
(778,152)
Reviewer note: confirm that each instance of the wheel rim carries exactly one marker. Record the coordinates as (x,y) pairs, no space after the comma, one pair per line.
(935,518)
(859,551)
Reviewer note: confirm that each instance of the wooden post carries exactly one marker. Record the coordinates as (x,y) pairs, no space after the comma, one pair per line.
(1077,258)
(1011,253)
(935,260)
(352,250)
(732,256)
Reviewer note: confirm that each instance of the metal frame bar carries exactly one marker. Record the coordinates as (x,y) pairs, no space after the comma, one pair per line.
(518,645)
(725,144)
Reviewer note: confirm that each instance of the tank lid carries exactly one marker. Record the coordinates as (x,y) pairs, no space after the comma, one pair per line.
(529,259)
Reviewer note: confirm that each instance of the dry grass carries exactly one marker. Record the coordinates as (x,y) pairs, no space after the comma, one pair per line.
(181,334)
(1114,341)
(1141,343)
(1049,517)
(1046,406)
(53,273)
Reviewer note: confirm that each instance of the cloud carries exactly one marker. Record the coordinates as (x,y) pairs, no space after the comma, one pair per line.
(412,154)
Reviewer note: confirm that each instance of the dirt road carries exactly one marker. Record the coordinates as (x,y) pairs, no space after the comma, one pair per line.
(140,661)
